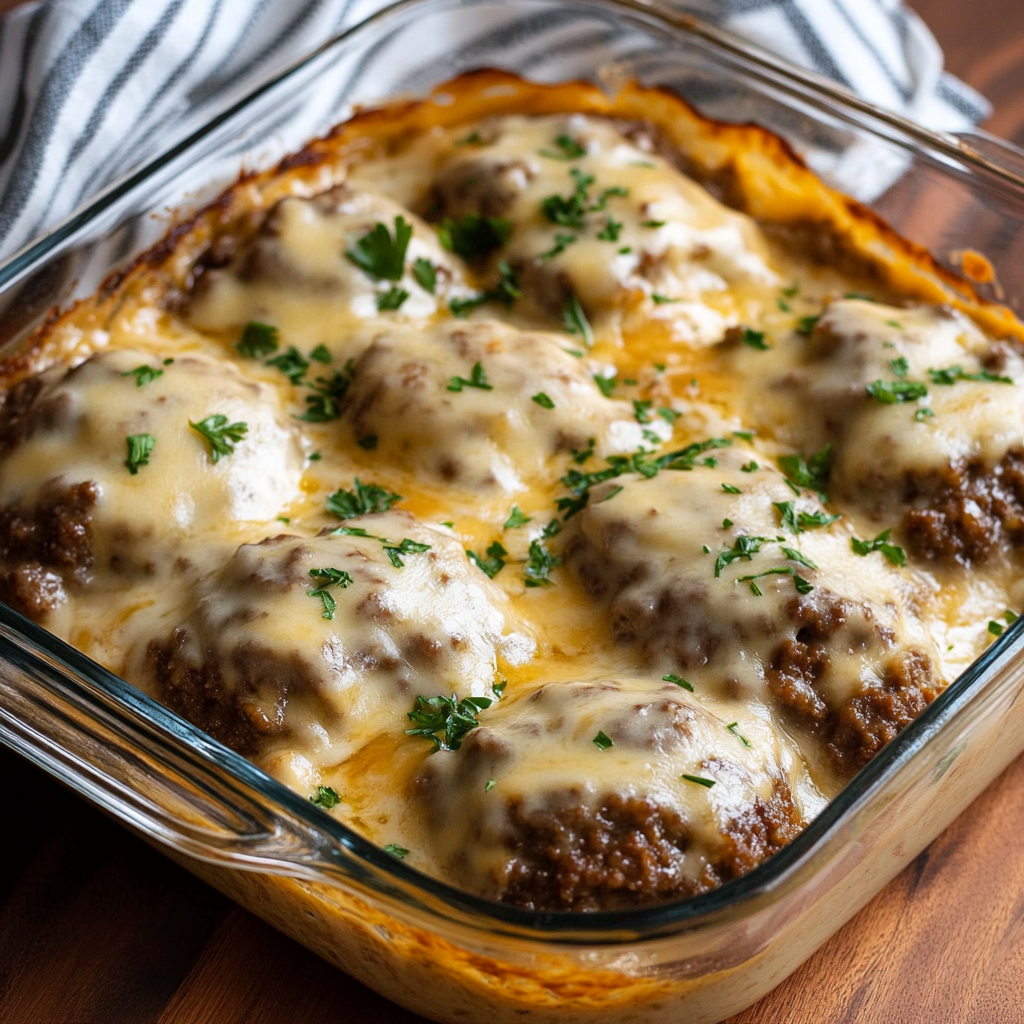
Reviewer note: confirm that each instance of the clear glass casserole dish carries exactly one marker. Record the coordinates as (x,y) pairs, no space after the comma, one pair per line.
(436,950)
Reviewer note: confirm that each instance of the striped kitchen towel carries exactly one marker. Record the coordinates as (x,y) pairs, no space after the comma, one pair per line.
(90,89)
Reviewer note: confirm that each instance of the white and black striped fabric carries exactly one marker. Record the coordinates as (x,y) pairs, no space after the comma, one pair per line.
(90,89)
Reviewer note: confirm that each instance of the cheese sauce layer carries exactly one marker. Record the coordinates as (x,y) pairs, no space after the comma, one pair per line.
(487,480)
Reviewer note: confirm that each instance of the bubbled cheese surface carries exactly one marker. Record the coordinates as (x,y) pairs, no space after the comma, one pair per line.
(553,474)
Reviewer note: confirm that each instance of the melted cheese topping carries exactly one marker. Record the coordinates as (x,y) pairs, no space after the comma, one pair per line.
(595,544)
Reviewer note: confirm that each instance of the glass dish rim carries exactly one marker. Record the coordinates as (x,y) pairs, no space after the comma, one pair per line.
(554,927)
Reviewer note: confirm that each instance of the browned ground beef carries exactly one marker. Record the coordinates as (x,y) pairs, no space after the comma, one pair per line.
(46,547)
(965,512)
(855,731)
(241,713)
(629,851)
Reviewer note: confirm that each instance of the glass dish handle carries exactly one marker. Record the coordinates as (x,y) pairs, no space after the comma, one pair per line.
(1003,158)
(88,728)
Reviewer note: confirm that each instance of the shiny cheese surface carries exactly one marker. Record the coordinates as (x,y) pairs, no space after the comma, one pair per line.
(551,478)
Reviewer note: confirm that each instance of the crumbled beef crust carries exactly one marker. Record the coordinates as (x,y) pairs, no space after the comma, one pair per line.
(966,513)
(855,731)
(241,713)
(46,547)
(629,851)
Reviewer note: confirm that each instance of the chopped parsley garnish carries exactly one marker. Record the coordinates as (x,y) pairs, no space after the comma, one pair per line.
(606,385)
(168,362)
(951,374)
(327,578)
(362,500)
(652,223)
(140,447)
(325,405)
(396,851)
(618,489)
(258,339)
(493,563)
(463,307)
(562,241)
(899,366)
(391,299)
(802,586)
(491,783)
(669,415)
(143,375)
(794,556)
(783,305)
(425,274)
(568,149)
(797,522)
(315,457)
(662,300)
(391,549)
(477,379)
(625,250)
(602,741)
(792,290)
(642,409)
(575,321)
(580,455)
(707,783)
(610,231)
(380,255)
(755,339)
(569,211)
(474,235)
(750,467)
(891,392)
(543,400)
(920,415)
(368,442)
(893,552)
(731,489)
(507,288)
(446,720)
(727,524)
(744,546)
(516,518)
(473,138)
(997,628)
(812,473)
(292,363)
(221,435)
(678,680)
(325,797)
(539,565)
(805,325)
(733,727)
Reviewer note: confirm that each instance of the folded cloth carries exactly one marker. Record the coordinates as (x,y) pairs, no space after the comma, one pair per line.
(90,89)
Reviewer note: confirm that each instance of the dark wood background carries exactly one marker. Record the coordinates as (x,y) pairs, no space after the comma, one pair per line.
(97,928)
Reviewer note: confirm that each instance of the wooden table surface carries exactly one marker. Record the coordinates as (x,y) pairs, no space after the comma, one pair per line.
(97,928)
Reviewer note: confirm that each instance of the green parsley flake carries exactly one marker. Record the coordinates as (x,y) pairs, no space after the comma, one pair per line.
(474,235)
(951,374)
(327,578)
(325,404)
(996,628)
(221,435)
(542,400)
(920,415)
(610,231)
(539,565)
(755,339)
(321,354)
(794,556)
(893,552)
(378,254)
(802,586)
(425,274)
(368,442)
(391,299)
(899,366)
(562,241)
(568,149)
(798,522)
(678,680)
(606,385)
(472,139)
(579,456)
(792,290)
(396,851)
(575,321)
(491,783)
(750,467)
(143,375)
(730,489)
(805,325)
(493,563)
(733,727)
(812,473)
(783,305)
(258,340)
(516,518)
(662,300)
(292,363)
(642,410)
(891,392)
(707,783)
(140,447)
(362,500)
(446,720)
(325,797)
(477,379)
(652,223)
(602,741)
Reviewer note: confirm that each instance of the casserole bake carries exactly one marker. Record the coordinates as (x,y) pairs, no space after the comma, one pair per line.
(619,982)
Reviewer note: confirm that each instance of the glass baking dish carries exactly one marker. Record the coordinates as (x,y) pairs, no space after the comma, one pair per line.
(436,950)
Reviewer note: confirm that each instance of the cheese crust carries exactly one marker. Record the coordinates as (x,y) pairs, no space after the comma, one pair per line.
(566,491)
